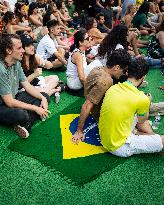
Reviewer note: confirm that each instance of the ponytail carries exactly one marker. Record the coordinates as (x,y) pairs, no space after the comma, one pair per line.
(78,36)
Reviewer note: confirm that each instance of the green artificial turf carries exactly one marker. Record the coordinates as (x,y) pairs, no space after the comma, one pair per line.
(44,178)
(47,140)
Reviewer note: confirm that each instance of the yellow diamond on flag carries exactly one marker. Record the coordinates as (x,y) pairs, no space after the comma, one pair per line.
(84,148)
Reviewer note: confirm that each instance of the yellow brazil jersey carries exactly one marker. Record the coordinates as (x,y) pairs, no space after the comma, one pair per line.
(121,103)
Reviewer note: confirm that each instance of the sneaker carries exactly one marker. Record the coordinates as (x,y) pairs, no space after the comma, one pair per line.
(21,131)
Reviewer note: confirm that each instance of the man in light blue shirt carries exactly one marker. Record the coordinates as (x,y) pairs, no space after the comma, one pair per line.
(19,109)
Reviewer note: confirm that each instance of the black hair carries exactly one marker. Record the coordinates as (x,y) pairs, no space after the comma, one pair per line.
(144,8)
(58,4)
(6,43)
(89,23)
(26,40)
(118,35)
(32,6)
(8,16)
(98,16)
(137,68)
(51,24)
(108,3)
(33,64)
(78,36)
(18,7)
(119,57)
(19,15)
(47,15)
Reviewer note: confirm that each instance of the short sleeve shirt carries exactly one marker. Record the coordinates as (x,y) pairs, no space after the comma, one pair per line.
(121,103)
(139,20)
(10,79)
(95,86)
(71,10)
(46,47)
(108,14)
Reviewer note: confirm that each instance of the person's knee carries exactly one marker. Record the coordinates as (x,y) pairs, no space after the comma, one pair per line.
(54,79)
(144,32)
(162,138)
(22,116)
(61,51)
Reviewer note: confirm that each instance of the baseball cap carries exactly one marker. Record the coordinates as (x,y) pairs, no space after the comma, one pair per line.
(26,40)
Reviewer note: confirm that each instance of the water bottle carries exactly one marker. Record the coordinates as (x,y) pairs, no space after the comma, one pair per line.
(64,34)
(156,122)
(57,97)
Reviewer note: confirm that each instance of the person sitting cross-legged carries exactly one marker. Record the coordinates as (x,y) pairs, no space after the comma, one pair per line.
(48,47)
(124,108)
(20,110)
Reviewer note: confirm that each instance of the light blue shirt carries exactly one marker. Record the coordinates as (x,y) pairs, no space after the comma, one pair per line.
(125,5)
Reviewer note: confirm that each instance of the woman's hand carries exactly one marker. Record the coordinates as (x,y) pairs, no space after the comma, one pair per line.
(28,28)
(38,72)
(44,103)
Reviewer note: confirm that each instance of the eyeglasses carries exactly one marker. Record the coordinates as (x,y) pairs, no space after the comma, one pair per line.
(89,38)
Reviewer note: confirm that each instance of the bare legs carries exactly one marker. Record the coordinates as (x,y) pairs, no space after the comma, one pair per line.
(50,85)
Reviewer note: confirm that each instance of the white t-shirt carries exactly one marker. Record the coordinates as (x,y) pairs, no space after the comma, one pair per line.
(11,3)
(46,47)
(98,62)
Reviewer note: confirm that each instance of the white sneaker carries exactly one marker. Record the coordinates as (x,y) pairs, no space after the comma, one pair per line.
(21,131)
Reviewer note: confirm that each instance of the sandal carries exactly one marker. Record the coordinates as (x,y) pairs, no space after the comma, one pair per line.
(62,85)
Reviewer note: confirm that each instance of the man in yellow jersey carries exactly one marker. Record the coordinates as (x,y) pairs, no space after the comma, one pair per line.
(99,80)
(124,108)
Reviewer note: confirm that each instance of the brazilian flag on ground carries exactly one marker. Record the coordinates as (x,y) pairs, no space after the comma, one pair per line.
(50,141)
(50,144)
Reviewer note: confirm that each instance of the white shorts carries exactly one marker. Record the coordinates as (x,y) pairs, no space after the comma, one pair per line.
(74,83)
(137,144)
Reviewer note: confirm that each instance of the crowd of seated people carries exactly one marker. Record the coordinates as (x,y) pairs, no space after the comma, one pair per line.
(98,50)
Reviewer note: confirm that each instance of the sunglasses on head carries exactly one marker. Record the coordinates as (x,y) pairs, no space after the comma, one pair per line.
(87,39)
